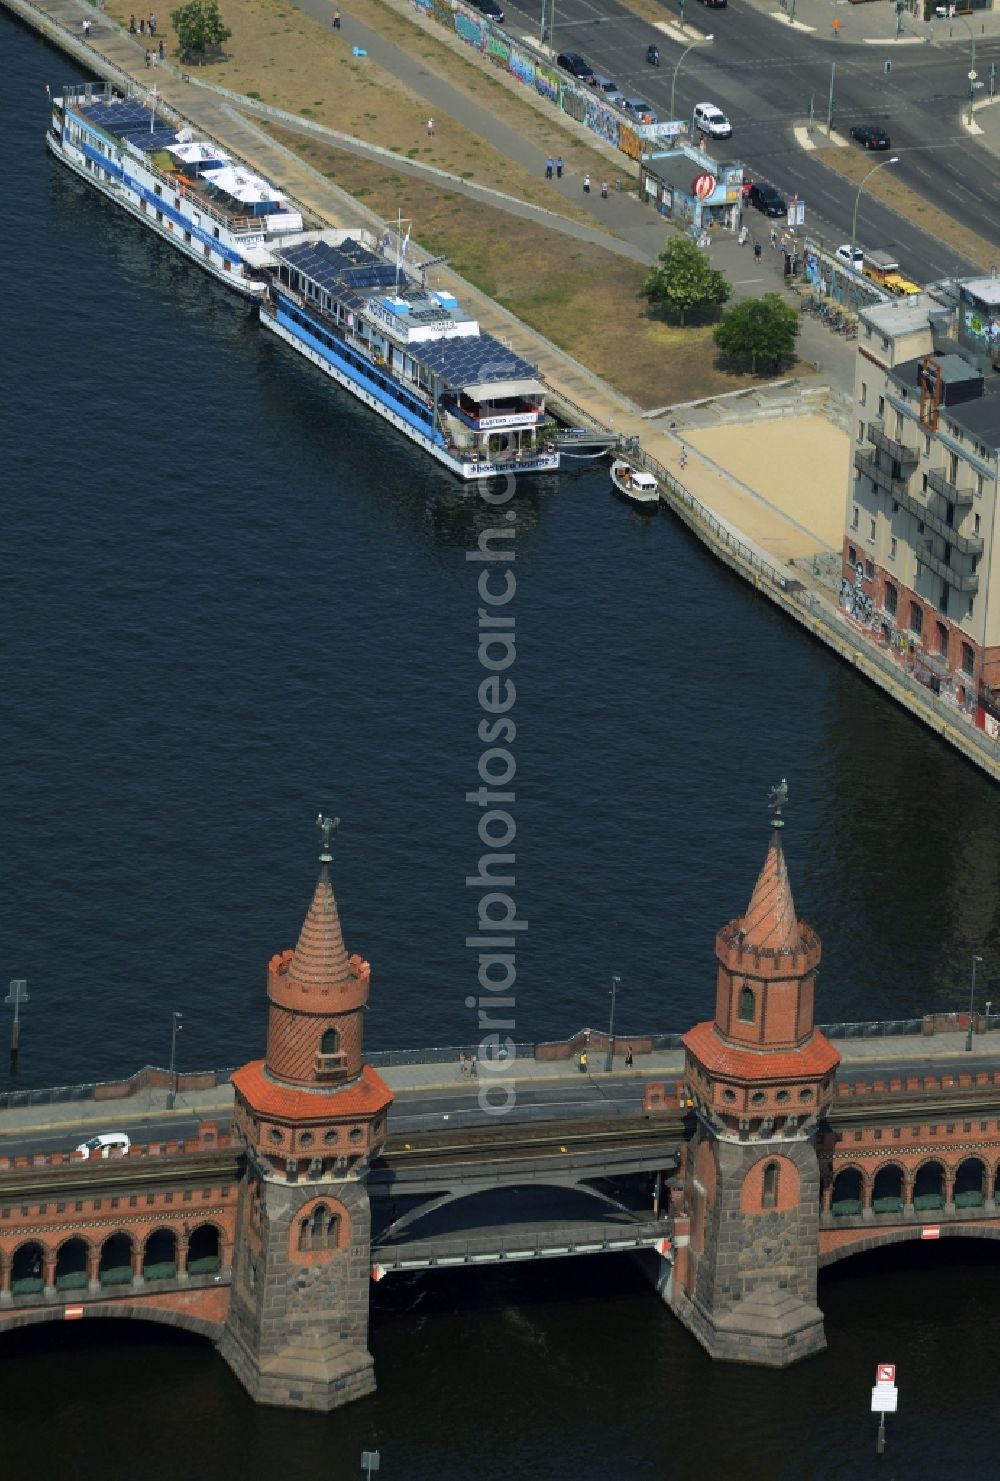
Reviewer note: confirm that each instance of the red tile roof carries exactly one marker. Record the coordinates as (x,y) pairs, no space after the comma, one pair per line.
(816,1057)
(320,959)
(364,1097)
(770,920)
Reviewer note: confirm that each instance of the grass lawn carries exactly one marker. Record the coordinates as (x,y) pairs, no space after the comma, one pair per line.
(591,305)
(854,164)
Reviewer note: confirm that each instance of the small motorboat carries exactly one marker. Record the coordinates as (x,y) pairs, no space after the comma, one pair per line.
(637,487)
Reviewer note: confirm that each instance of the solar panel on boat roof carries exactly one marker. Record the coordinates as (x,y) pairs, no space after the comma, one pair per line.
(482,358)
(148,141)
(123,116)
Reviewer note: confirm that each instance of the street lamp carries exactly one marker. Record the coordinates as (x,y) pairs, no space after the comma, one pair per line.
(972,1003)
(611,1026)
(172,1086)
(857,198)
(972,62)
(677,67)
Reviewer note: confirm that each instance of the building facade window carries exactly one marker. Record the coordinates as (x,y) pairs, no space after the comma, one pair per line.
(854,519)
(864,393)
(861,431)
(975,524)
(330,1042)
(942,638)
(319,1230)
(968,660)
(746,1009)
(916,618)
(770,1191)
(892,548)
(869,569)
(871,530)
(891,598)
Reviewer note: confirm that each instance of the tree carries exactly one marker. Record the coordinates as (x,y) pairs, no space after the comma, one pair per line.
(685,280)
(761,330)
(200,31)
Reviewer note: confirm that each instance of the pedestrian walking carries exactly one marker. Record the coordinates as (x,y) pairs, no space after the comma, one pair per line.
(336,20)
(86,29)
(604,190)
(628,1057)
(548,169)
(430,128)
(163,49)
(756,251)
(774,236)
(473,1067)
(586,184)
(463,1065)
(744,236)
(583,1062)
(152,23)
(131,25)
(559,169)
(142,26)
(149,60)
(836,27)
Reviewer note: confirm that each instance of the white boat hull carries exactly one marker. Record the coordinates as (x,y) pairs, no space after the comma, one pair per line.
(119,195)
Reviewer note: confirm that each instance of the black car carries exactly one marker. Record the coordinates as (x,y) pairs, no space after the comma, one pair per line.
(715,4)
(490,9)
(870,136)
(573,63)
(765,198)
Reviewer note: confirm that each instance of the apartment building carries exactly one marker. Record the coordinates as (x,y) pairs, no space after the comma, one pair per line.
(921,521)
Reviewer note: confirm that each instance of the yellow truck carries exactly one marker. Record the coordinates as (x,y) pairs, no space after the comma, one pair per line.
(882,269)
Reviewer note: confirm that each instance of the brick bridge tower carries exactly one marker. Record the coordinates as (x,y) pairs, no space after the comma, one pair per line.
(760,1077)
(311,1115)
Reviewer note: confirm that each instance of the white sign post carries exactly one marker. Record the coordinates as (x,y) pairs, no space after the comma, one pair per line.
(884,1400)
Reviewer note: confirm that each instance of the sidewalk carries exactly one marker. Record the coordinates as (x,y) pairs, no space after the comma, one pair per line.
(875,22)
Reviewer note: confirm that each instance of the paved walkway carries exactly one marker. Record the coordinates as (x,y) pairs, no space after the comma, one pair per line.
(875,23)
(438,1076)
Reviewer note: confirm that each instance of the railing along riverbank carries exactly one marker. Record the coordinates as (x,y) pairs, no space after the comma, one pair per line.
(823,619)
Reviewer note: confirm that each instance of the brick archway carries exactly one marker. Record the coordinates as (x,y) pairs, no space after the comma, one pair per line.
(117,1311)
(866,1243)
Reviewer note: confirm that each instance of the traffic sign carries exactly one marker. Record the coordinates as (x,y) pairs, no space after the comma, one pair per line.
(885,1373)
(885,1398)
(931,1231)
(973,75)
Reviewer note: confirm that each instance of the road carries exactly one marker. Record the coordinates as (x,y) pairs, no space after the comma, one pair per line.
(764,76)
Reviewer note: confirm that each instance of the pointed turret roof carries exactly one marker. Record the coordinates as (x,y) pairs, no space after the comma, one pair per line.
(770,922)
(320,958)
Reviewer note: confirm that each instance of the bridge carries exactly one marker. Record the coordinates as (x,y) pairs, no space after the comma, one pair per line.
(254,1207)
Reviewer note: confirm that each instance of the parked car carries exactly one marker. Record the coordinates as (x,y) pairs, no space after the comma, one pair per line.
(715,4)
(490,9)
(611,91)
(851,257)
(870,136)
(711,120)
(573,63)
(765,198)
(108,1144)
(638,109)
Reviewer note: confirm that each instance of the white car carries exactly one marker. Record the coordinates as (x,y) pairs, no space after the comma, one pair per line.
(108,1144)
(711,120)
(851,257)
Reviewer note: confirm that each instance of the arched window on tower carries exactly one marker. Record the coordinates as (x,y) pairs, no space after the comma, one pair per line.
(769,1198)
(747,1005)
(319,1230)
(330,1043)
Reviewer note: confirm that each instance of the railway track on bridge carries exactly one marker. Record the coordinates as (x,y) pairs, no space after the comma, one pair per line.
(548,1139)
(131,1175)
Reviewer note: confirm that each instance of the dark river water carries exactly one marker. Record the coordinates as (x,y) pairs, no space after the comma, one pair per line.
(232,596)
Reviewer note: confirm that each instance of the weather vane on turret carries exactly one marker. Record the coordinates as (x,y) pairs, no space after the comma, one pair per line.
(326,827)
(777,797)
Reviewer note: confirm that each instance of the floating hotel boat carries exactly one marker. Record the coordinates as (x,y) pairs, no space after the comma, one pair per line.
(188,192)
(411,354)
(637,487)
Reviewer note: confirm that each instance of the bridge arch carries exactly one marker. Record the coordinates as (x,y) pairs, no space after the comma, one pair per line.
(848,1191)
(199,1326)
(116,1264)
(73,1260)
(972,1183)
(889,1188)
(27,1267)
(868,1241)
(204,1248)
(450,1197)
(930,1180)
(159,1254)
